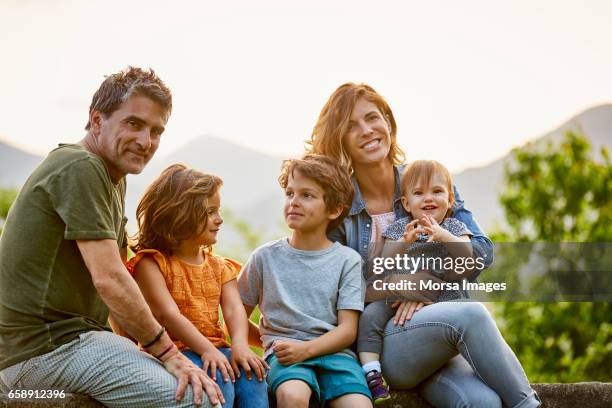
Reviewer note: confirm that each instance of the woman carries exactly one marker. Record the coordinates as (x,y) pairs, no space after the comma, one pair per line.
(452,350)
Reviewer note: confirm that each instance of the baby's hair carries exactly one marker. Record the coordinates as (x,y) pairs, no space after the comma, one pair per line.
(424,170)
(174,208)
(329,175)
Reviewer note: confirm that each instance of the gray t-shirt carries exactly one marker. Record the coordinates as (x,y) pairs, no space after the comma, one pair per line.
(300,292)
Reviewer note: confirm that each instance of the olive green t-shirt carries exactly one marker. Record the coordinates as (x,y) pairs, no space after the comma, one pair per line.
(47,297)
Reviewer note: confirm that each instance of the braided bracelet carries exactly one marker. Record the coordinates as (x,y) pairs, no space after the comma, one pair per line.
(164,352)
(159,335)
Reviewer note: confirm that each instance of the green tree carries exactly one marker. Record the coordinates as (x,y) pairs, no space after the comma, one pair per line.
(559,194)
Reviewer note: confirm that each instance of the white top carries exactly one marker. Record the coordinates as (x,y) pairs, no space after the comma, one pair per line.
(380,222)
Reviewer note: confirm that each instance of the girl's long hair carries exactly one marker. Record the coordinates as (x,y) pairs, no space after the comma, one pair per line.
(174,208)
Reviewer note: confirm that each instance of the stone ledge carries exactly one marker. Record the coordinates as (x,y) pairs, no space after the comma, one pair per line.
(584,395)
(572,395)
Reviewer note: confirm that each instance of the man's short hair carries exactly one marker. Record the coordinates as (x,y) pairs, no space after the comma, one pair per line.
(329,175)
(117,88)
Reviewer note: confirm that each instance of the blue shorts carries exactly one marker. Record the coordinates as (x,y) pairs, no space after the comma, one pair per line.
(329,376)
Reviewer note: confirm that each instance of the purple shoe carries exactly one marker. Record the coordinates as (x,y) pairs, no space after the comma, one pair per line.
(378,387)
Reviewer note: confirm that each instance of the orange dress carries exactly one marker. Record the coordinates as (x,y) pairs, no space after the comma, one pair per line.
(196,289)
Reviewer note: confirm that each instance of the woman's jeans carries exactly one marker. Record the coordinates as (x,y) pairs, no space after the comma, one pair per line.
(424,352)
(244,393)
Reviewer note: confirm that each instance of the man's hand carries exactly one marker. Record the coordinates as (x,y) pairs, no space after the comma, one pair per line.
(243,356)
(187,373)
(215,359)
(290,352)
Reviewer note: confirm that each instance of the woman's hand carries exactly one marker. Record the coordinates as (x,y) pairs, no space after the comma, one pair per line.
(290,352)
(434,230)
(187,373)
(405,310)
(214,359)
(243,356)
(411,231)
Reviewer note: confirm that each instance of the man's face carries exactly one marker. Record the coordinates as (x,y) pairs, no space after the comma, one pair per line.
(129,137)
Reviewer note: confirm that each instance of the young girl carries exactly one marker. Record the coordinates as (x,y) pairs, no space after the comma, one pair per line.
(184,282)
(429,232)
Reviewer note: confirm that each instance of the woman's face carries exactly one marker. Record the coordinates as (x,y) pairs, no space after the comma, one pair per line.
(368,138)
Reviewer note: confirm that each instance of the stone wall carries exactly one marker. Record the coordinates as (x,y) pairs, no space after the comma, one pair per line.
(582,395)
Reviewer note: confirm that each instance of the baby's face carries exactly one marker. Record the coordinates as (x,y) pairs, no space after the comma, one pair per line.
(432,200)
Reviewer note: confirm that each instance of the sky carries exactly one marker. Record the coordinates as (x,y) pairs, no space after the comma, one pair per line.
(467,81)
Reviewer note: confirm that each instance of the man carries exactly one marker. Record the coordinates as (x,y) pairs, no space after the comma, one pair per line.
(62,270)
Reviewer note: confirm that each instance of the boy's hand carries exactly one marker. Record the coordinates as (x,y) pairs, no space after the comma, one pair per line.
(215,359)
(290,352)
(244,357)
(434,230)
(411,231)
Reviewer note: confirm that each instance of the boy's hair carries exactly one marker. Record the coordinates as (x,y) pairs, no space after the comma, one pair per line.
(117,88)
(330,176)
(424,170)
(333,123)
(174,208)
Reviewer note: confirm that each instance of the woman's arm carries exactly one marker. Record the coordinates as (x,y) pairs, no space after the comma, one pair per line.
(338,234)
(164,308)
(481,244)
(291,352)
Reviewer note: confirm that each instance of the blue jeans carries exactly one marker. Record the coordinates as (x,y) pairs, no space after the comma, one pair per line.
(457,357)
(244,393)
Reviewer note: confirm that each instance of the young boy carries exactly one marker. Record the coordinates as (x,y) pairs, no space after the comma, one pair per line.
(310,292)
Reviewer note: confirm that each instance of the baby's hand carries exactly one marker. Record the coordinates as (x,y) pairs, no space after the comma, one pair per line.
(434,230)
(411,231)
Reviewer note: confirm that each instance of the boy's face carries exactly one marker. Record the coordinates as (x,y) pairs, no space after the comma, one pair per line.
(432,200)
(305,209)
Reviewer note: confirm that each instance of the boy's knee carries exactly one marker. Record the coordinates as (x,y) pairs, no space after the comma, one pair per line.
(292,396)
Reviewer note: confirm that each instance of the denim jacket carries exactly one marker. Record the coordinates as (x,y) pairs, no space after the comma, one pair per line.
(356,228)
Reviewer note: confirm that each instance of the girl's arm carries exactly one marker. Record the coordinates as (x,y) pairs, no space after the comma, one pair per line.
(338,339)
(236,319)
(164,308)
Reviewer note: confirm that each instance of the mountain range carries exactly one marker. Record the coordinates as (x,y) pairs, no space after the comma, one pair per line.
(252,192)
